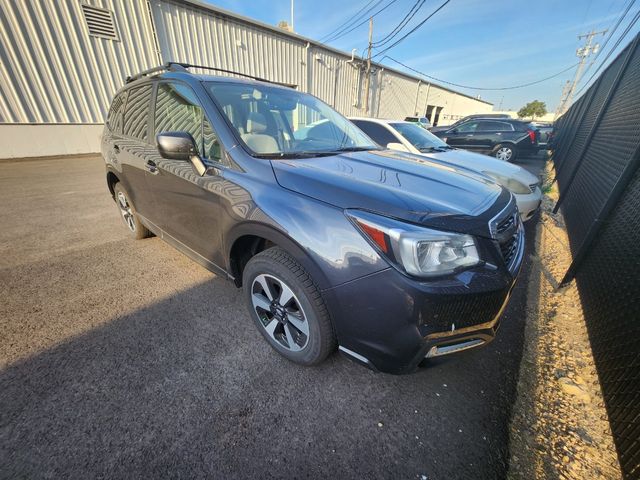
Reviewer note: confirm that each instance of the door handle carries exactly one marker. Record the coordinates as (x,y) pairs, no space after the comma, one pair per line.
(151,167)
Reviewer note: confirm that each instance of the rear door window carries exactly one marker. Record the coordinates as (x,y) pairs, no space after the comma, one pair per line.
(136,115)
(494,127)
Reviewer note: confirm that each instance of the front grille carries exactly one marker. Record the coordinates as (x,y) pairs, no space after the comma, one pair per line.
(533,187)
(506,228)
(509,248)
(461,311)
(506,223)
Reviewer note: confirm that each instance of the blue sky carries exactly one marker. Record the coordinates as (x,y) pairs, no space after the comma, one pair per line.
(482,43)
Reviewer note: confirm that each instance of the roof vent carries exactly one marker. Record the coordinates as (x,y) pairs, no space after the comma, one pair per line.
(100,22)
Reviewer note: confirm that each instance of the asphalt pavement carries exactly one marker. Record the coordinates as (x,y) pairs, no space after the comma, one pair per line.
(124,358)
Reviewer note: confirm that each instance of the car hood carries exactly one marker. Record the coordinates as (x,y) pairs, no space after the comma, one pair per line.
(400,185)
(484,163)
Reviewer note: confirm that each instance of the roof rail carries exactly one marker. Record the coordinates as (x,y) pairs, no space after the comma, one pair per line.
(182,67)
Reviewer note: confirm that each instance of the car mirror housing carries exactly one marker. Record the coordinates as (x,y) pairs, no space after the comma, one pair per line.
(397,146)
(180,146)
(176,145)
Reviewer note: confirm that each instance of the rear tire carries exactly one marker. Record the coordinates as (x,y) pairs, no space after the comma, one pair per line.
(506,152)
(286,306)
(128,213)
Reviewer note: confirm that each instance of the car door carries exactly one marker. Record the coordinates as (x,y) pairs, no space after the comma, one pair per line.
(462,136)
(490,133)
(188,202)
(133,146)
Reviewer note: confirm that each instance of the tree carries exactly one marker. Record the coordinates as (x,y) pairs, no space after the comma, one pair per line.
(533,109)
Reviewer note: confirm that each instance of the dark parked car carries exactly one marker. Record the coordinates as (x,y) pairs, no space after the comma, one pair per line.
(504,139)
(335,241)
(467,118)
(545,134)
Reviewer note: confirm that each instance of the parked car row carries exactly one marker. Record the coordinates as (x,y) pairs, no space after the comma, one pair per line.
(408,137)
(393,248)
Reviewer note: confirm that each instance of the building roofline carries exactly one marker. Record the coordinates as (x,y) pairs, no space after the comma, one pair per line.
(279,31)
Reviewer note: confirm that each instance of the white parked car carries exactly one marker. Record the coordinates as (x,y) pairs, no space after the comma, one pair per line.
(409,137)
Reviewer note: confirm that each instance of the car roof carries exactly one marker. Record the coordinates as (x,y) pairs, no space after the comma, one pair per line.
(498,119)
(383,121)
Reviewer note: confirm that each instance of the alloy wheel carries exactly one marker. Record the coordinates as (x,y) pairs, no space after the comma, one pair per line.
(126,212)
(504,153)
(280,312)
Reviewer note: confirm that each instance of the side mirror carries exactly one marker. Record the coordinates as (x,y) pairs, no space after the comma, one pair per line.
(180,146)
(176,145)
(454,130)
(397,146)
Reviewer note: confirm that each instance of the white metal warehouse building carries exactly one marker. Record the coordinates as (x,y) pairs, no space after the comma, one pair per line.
(62,60)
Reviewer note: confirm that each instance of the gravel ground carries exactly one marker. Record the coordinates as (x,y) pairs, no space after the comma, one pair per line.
(126,359)
(559,427)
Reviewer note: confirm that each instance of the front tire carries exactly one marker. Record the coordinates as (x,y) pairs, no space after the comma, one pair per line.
(506,152)
(286,306)
(128,213)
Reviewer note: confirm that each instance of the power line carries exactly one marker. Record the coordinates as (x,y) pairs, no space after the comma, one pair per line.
(481,88)
(634,20)
(363,22)
(613,30)
(354,18)
(407,18)
(413,29)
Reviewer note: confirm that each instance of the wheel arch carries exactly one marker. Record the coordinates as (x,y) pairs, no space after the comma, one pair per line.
(247,239)
(112,179)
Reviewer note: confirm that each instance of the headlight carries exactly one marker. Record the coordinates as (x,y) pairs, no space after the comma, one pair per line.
(418,251)
(510,184)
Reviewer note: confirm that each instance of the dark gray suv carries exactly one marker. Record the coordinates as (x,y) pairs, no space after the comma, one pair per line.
(389,256)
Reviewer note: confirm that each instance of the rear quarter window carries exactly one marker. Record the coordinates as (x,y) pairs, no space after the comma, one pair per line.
(115,115)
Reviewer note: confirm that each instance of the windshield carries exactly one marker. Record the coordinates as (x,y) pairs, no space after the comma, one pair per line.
(420,138)
(275,122)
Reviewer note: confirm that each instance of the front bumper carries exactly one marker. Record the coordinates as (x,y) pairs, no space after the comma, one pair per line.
(391,322)
(528,204)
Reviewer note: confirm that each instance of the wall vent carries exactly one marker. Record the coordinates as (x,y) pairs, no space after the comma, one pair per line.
(100,22)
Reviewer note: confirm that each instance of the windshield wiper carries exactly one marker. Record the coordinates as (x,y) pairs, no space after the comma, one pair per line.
(356,149)
(301,154)
(435,149)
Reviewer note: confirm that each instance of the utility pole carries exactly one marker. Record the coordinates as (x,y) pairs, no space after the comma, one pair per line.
(565,92)
(368,77)
(582,53)
(292,28)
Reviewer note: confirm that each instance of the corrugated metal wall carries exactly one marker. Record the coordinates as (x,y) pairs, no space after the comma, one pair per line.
(53,71)
(183,29)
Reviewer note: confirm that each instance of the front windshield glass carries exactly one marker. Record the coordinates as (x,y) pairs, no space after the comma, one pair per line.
(420,138)
(276,122)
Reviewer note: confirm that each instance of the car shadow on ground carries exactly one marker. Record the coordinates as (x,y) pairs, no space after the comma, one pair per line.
(187,387)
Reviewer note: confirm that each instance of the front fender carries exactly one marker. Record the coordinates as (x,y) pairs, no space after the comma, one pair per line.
(316,234)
